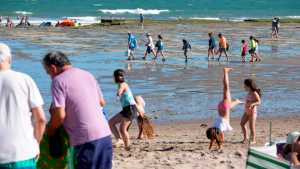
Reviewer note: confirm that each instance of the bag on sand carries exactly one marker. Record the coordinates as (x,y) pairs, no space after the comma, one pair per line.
(55,152)
(227,46)
(147,126)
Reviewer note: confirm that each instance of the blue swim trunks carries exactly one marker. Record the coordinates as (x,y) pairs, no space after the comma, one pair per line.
(94,155)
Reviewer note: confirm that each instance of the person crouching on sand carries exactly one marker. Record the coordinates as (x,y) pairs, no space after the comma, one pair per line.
(253,99)
(128,113)
(222,122)
(186,46)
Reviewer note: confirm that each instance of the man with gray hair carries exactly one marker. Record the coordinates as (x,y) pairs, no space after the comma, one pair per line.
(22,119)
(77,103)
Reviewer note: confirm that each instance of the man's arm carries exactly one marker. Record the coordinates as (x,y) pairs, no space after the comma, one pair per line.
(39,121)
(58,115)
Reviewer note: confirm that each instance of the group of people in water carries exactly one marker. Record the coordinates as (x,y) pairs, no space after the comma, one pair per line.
(24,22)
(213,49)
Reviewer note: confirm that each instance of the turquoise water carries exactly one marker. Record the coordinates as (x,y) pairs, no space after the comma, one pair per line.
(91,10)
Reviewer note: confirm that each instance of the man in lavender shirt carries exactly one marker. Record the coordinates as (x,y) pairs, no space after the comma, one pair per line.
(77,103)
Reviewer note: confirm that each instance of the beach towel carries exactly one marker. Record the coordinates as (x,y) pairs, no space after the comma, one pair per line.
(261,158)
(64,157)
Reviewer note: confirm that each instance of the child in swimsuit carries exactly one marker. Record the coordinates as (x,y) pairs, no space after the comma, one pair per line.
(211,46)
(223,46)
(244,49)
(160,46)
(128,113)
(222,122)
(253,99)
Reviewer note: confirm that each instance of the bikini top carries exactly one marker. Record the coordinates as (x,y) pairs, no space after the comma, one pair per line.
(223,106)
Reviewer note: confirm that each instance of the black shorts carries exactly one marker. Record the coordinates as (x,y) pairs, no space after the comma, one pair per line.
(222,50)
(211,47)
(252,51)
(149,49)
(129,112)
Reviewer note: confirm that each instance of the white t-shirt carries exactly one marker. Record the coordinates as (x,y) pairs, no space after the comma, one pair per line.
(150,42)
(18,95)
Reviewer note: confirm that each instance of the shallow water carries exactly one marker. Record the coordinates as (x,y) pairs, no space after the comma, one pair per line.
(173,90)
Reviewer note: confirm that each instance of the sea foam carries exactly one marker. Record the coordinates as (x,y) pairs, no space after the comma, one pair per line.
(133,11)
(23,13)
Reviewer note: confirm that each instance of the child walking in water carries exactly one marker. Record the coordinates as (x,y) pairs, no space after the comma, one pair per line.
(222,122)
(160,46)
(223,46)
(258,58)
(244,49)
(186,46)
(211,46)
(128,113)
(253,99)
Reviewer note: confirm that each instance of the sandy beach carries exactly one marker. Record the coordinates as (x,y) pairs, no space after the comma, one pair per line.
(184,145)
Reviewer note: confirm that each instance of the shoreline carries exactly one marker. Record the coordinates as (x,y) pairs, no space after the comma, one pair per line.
(116,21)
(111,21)
(184,145)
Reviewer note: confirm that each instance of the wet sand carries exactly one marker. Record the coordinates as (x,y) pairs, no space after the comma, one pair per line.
(184,145)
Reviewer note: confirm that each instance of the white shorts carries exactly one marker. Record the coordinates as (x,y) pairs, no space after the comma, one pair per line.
(130,52)
(222,124)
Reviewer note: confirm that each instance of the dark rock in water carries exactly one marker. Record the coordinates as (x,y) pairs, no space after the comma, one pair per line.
(250,20)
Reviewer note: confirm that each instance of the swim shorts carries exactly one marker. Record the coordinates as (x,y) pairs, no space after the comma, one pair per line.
(129,112)
(94,155)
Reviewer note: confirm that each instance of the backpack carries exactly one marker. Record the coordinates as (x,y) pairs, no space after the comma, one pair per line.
(227,46)
(133,43)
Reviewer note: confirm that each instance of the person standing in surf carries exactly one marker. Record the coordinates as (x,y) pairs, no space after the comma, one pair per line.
(186,47)
(275,27)
(142,20)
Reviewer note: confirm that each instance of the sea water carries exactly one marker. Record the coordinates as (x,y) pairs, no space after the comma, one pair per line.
(91,11)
